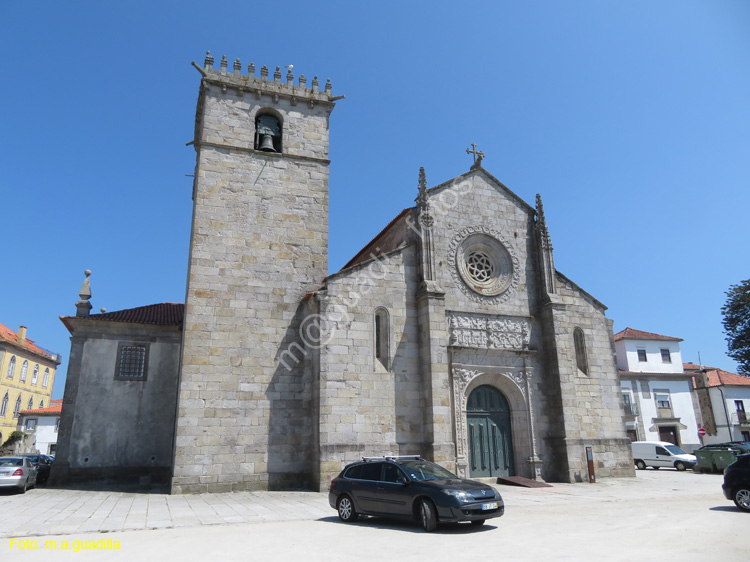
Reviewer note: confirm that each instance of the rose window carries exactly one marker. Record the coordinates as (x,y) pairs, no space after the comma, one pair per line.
(479,267)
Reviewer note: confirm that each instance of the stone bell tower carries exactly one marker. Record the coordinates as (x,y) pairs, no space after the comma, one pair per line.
(259,244)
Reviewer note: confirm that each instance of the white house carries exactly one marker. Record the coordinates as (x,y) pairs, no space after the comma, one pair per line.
(724,399)
(43,424)
(656,390)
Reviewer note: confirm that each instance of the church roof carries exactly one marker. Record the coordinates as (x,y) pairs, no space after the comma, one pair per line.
(378,242)
(162,314)
(9,336)
(631,334)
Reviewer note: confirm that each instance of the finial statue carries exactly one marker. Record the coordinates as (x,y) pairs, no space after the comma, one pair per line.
(478,155)
(83,306)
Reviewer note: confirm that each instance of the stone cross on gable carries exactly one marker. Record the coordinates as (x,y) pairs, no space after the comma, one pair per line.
(476,153)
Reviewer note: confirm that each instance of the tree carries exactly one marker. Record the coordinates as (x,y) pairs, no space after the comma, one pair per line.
(736,322)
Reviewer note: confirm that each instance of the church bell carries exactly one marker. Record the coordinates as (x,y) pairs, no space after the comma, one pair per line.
(266,144)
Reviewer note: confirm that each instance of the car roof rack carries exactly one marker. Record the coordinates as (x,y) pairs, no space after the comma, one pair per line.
(394,458)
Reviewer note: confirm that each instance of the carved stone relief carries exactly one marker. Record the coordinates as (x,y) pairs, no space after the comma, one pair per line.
(493,332)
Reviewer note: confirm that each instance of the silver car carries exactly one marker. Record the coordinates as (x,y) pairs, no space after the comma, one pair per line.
(17,472)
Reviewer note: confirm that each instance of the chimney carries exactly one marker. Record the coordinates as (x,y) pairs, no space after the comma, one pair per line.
(22,335)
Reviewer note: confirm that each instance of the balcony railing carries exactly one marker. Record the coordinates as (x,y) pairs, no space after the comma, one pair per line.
(740,418)
(630,409)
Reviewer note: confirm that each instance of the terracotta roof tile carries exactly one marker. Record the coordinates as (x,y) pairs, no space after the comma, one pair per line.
(717,377)
(9,336)
(49,410)
(631,334)
(163,314)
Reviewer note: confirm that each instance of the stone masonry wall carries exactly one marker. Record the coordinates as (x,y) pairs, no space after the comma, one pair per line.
(367,408)
(259,244)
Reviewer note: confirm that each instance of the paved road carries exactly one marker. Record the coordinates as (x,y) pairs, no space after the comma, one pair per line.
(664,515)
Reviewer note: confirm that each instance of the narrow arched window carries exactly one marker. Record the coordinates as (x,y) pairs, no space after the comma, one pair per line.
(11,367)
(30,405)
(24,370)
(268,132)
(45,378)
(35,375)
(382,336)
(17,407)
(4,406)
(580,345)
(41,403)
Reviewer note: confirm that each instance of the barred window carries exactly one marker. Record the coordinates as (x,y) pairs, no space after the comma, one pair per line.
(132,361)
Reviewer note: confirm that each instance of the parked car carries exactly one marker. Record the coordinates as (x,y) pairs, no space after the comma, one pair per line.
(17,472)
(736,484)
(410,487)
(658,454)
(43,465)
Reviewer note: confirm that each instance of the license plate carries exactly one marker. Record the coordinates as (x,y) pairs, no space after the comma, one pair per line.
(486,506)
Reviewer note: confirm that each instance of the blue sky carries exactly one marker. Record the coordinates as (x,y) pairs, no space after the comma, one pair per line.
(631,118)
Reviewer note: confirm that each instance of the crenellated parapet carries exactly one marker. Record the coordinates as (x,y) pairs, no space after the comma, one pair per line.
(264,85)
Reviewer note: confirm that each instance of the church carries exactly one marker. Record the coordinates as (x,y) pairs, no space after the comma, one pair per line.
(450,335)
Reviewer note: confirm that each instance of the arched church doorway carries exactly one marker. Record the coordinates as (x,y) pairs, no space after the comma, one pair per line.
(490,441)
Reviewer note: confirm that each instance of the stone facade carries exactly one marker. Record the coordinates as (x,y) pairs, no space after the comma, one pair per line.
(450,335)
(112,428)
(259,244)
(288,373)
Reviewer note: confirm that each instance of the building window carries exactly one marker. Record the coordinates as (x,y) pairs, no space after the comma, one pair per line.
(627,402)
(662,400)
(4,406)
(45,378)
(30,405)
(580,344)
(132,362)
(740,406)
(57,424)
(41,403)
(641,355)
(382,336)
(30,424)
(24,370)
(17,407)
(267,132)
(35,375)
(666,357)
(11,367)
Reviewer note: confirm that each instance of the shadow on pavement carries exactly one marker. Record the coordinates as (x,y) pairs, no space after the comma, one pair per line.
(409,526)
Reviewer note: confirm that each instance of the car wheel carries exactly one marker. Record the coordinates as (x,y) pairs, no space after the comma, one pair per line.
(742,498)
(24,487)
(640,465)
(478,522)
(346,510)
(427,516)
(679,465)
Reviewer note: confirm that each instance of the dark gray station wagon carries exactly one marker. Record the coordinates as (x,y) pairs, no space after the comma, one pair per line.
(410,487)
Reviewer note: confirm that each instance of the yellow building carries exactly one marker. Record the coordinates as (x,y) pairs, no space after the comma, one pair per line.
(27,373)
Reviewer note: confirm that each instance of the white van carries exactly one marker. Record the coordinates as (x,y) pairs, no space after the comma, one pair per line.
(660,453)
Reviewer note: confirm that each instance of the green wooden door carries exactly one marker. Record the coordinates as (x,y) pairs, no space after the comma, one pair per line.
(490,443)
